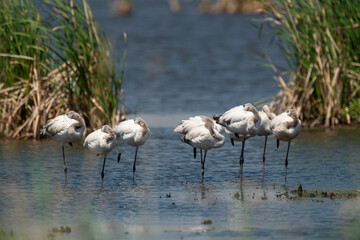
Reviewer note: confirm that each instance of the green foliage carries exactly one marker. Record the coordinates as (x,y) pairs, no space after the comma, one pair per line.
(319,39)
(54,63)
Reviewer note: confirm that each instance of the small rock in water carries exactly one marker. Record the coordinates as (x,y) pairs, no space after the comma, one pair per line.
(62,229)
(299,191)
(352,195)
(237,195)
(332,196)
(208,221)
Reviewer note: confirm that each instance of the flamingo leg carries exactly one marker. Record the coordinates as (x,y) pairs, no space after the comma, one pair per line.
(277,143)
(264,157)
(232,141)
(119,154)
(201,161)
(242,155)
(134,166)
(194,152)
(63,152)
(102,171)
(203,167)
(286,159)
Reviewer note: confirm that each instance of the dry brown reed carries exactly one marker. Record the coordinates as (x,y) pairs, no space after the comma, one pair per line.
(51,68)
(319,39)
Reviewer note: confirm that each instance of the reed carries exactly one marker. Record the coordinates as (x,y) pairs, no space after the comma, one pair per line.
(52,64)
(319,40)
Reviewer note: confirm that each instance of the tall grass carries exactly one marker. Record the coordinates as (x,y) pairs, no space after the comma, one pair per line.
(320,41)
(52,64)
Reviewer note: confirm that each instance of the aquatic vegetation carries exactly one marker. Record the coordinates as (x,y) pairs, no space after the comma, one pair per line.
(319,40)
(53,63)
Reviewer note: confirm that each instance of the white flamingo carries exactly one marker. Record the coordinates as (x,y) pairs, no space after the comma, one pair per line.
(101,142)
(286,127)
(66,128)
(265,117)
(186,125)
(239,123)
(134,132)
(204,137)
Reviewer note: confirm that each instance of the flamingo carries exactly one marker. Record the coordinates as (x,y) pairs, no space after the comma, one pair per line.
(265,117)
(186,125)
(101,142)
(286,127)
(134,132)
(239,123)
(204,137)
(66,128)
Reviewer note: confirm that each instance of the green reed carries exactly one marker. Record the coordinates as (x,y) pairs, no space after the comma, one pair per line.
(54,63)
(319,40)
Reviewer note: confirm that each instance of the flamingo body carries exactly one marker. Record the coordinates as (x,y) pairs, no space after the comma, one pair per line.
(240,124)
(101,142)
(200,137)
(265,118)
(192,122)
(205,137)
(134,132)
(286,127)
(65,128)
(240,120)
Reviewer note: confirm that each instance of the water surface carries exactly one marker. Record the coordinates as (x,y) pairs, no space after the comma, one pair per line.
(34,197)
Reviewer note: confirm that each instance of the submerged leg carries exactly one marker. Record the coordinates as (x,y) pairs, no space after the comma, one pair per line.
(286,159)
(134,166)
(264,156)
(242,155)
(103,167)
(203,167)
(232,141)
(194,152)
(277,143)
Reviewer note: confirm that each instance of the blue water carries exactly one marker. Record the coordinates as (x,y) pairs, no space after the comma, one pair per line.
(34,197)
(179,66)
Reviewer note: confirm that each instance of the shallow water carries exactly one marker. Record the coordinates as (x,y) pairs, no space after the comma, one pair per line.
(34,197)
(179,66)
